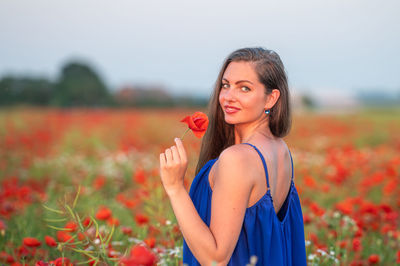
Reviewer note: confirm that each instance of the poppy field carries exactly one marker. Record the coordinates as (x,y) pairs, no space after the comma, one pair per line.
(82,186)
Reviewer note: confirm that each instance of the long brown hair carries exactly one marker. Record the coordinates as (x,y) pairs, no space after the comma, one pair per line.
(271,73)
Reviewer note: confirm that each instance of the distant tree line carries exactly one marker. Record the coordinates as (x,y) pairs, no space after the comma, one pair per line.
(79,85)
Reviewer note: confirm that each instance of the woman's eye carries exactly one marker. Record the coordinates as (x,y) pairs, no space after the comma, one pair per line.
(225,85)
(247,88)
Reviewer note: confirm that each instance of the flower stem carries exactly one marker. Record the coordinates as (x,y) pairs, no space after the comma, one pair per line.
(185,133)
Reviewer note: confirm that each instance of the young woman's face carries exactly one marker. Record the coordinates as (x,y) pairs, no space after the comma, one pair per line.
(242,90)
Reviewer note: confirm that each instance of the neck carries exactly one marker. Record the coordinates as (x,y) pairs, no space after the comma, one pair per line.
(247,132)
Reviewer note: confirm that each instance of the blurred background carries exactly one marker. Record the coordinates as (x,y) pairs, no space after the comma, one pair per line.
(338,54)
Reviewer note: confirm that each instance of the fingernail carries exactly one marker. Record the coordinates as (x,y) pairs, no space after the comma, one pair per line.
(176,139)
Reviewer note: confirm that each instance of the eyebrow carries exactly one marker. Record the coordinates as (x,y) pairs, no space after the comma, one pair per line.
(239,81)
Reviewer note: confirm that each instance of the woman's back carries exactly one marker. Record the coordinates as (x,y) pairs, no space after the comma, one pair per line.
(278,162)
(274,238)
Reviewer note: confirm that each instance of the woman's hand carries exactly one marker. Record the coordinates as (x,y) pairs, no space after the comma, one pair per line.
(173,165)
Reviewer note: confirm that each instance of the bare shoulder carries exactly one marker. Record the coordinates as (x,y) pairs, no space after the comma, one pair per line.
(236,153)
(235,162)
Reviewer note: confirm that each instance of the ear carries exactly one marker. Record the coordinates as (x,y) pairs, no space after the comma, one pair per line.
(272,98)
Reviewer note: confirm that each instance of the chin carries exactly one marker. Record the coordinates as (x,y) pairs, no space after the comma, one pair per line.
(230,121)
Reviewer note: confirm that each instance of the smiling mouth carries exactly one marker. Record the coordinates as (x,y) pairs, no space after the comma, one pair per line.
(231,110)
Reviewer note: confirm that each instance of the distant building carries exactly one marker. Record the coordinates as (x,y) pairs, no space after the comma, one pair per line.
(141,95)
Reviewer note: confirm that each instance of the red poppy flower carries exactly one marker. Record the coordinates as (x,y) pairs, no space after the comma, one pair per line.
(357,244)
(140,255)
(72,226)
(139,176)
(51,242)
(113,221)
(87,222)
(151,241)
(31,242)
(103,213)
(4,256)
(198,123)
(374,258)
(63,236)
(126,230)
(81,236)
(99,182)
(62,262)
(141,219)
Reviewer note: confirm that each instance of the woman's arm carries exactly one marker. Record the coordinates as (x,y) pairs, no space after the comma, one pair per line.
(231,192)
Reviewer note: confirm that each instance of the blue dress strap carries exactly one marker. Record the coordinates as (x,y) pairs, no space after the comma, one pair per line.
(292,164)
(263,161)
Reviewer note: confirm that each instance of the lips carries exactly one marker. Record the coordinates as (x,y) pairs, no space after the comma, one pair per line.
(231,109)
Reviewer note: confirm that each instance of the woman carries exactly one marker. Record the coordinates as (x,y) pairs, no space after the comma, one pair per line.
(242,202)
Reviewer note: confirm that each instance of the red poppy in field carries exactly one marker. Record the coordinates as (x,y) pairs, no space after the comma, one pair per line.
(113,221)
(345,206)
(306,218)
(99,182)
(153,231)
(61,262)
(357,263)
(63,236)
(5,257)
(357,244)
(309,181)
(150,241)
(71,226)
(31,242)
(316,209)
(140,256)
(126,230)
(374,258)
(87,222)
(141,219)
(103,213)
(139,176)
(51,242)
(343,243)
(23,251)
(81,236)
(198,123)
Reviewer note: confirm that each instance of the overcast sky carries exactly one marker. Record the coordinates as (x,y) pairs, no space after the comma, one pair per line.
(325,45)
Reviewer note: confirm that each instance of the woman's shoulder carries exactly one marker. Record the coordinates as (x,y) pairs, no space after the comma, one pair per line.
(236,152)
(238,157)
(232,165)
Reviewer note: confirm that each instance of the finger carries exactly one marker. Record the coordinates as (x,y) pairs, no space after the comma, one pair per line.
(175,154)
(168,155)
(162,160)
(181,149)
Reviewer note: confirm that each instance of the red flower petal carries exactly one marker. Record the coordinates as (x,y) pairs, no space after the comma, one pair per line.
(31,242)
(198,123)
(103,213)
(51,242)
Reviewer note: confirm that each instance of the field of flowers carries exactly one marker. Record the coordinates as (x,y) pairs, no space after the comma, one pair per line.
(83,187)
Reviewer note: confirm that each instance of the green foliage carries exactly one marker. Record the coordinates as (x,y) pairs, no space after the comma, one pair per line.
(25,90)
(79,85)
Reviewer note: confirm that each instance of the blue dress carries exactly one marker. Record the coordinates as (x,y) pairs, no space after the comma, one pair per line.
(276,239)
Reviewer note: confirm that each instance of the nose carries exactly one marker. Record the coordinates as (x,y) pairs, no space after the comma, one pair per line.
(228,94)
